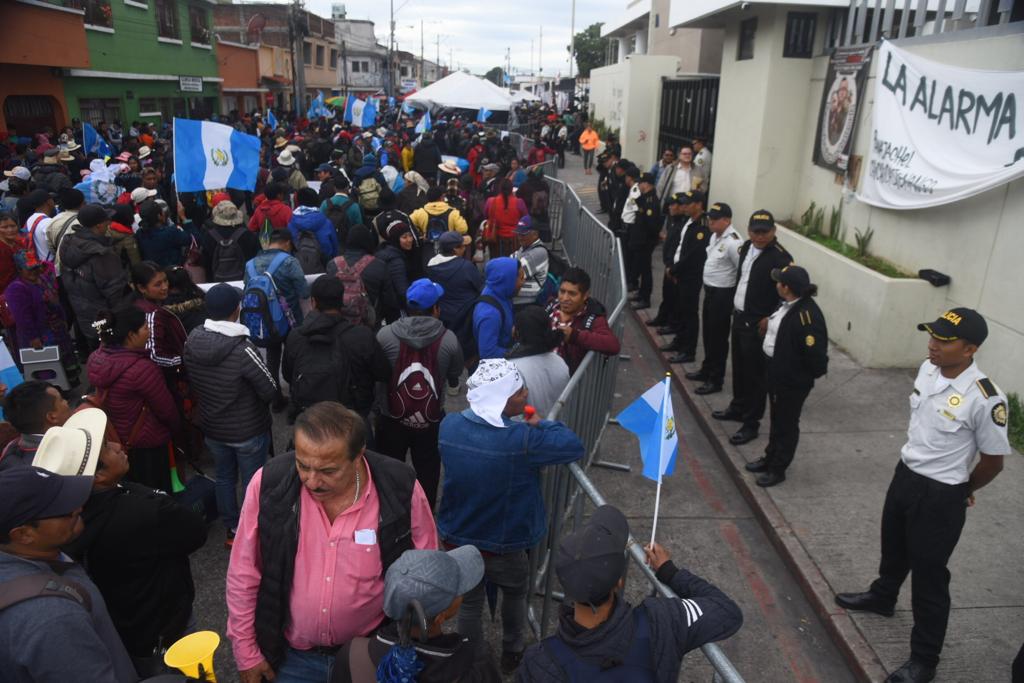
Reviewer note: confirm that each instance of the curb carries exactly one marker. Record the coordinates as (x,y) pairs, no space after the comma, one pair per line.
(837,622)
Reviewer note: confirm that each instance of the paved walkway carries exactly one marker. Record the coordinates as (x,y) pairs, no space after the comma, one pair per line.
(824,520)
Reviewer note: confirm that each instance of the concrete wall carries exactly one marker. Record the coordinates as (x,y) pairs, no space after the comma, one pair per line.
(627,96)
(42,35)
(698,50)
(239,66)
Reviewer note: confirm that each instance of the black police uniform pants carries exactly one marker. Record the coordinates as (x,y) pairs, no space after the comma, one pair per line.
(395,439)
(717,317)
(668,309)
(642,271)
(786,404)
(687,297)
(749,367)
(921,524)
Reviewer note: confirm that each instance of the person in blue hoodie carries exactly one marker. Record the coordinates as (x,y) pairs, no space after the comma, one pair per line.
(462,283)
(307,218)
(493,317)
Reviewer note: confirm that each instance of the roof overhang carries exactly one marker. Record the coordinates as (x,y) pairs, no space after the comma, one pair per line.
(634,19)
(715,13)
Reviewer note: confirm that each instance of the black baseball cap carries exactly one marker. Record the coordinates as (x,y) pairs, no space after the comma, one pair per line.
(958,323)
(719,210)
(591,561)
(689,197)
(647,178)
(91,215)
(794,277)
(28,494)
(761,220)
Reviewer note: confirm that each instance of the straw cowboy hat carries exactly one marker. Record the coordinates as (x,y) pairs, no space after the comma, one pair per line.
(450,167)
(144,152)
(74,449)
(285,158)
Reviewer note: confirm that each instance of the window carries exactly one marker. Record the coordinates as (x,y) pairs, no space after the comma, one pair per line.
(96,110)
(799,35)
(307,53)
(333,64)
(167,19)
(405,72)
(355,67)
(745,45)
(320,56)
(199,24)
(98,13)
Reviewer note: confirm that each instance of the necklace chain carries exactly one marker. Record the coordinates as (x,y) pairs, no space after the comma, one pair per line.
(355,498)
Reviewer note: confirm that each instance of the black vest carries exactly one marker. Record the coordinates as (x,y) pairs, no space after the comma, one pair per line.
(279,537)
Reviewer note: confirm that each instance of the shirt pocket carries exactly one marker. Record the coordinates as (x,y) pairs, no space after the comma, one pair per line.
(915,401)
(361,562)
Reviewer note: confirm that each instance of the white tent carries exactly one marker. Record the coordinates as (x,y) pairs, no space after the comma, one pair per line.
(463,91)
(524,96)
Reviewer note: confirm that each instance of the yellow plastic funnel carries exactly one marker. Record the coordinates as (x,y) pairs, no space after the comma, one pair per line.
(193,655)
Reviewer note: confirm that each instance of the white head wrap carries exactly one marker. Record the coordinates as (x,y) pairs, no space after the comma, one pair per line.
(420,181)
(490,387)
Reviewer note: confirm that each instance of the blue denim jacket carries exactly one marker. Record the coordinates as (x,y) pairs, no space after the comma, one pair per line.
(492,497)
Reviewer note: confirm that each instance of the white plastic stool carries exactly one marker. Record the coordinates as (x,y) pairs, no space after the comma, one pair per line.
(44,365)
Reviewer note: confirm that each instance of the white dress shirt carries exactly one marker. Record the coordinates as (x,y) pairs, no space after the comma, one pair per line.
(773,327)
(741,286)
(723,258)
(681,181)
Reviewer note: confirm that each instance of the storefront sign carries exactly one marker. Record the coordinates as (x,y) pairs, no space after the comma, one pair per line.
(940,133)
(840,103)
(190,83)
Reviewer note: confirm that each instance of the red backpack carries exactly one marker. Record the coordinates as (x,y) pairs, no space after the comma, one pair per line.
(413,394)
(358,309)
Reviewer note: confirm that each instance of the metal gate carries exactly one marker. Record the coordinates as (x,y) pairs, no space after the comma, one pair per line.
(688,107)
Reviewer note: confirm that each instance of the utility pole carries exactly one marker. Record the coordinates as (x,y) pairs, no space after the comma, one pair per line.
(540,58)
(531,58)
(451,58)
(344,68)
(572,38)
(508,68)
(438,51)
(423,73)
(297,32)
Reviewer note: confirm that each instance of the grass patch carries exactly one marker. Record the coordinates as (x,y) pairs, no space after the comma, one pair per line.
(879,265)
(1016,424)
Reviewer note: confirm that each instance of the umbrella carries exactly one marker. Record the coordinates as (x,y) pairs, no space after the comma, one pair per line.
(338,101)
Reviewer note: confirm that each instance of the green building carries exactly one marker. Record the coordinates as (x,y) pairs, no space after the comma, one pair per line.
(149,60)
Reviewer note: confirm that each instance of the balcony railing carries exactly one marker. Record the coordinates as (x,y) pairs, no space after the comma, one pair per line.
(868,21)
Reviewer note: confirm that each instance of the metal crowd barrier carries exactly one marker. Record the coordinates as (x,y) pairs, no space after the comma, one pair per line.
(585,406)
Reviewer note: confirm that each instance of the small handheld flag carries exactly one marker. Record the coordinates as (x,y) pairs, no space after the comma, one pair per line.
(94,142)
(424,124)
(483,115)
(271,119)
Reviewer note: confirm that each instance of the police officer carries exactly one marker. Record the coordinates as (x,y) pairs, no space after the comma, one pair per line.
(687,272)
(720,272)
(667,319)
(796,344)
(642,238)
(756,298)
(955,412)
(605,162)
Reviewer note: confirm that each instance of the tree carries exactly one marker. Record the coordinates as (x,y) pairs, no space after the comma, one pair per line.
(495,75)
(591,49)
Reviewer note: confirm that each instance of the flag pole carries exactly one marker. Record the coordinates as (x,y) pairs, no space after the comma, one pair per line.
(661,465)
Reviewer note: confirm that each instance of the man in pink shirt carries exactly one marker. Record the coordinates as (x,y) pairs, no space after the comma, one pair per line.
(295,597)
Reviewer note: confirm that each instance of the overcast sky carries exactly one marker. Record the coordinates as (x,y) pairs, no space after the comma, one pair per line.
(480,30)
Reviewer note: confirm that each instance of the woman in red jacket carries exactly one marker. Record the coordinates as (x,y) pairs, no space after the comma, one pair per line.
(10,242)
(503,212)
(166,332)
(134,395)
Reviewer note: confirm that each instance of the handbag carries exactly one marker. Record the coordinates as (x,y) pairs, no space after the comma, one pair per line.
(194,263)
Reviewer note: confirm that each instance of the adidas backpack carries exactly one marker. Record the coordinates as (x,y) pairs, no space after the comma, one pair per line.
(413,397)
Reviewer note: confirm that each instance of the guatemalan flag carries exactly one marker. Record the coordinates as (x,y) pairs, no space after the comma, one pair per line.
(362,113)
(271,119)
(483,115)
(211,156)
(94,143)
(424,124)
(651,418)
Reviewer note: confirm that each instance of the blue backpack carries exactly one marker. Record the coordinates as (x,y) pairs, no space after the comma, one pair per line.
(264,310)
(637,667)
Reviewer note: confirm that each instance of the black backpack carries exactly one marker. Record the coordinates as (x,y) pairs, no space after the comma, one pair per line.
(338,216)
(322,373)
(228,261)
(437,225)
(308,253)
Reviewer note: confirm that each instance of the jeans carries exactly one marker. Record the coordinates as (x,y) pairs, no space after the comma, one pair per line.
(588,159)
(231,458)
(511,573)
(301,666)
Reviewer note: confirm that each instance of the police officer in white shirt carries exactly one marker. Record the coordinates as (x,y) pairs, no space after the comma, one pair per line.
(720,269)
(955,413)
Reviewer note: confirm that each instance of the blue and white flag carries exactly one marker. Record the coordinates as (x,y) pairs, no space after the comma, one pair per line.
(507,78)
(424,123)
(362,113)
(651,418)
(391,102)
(317,108)
(483,115)
(211,156)
(271,119)
(407,109)
(94,143)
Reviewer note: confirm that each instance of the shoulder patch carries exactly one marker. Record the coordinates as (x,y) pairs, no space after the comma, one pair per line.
(734,235)
(999,414)
(988,390)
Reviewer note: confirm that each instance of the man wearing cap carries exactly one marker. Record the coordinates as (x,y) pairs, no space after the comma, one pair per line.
(55,626)
(719,278)
(686,272)
(462,283)
(484,444)
(418,338)
(755,300)
(796,345)
(642,236)
(319,529)
(15,186)
(534,258)
(955,413)
(91,269)
(598,631)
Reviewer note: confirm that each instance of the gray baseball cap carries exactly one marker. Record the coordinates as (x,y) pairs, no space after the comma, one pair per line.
(432,577)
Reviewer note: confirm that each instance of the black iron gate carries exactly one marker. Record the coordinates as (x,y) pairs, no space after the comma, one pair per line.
(688,107)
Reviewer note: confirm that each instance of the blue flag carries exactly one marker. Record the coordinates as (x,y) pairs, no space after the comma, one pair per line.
(391,102)
(483,115)
(424,124)
(271,119)
(651,418)
(368,116)
(316,106)
(211,156)
(94,143)
(407,109)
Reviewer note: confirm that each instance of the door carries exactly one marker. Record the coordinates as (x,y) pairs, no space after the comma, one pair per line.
(688,108)
(30,114)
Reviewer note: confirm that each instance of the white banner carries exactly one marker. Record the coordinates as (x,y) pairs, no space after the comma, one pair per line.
(940,133)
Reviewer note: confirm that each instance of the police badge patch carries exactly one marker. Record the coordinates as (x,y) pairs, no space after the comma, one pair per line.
(999,414)
(809,340)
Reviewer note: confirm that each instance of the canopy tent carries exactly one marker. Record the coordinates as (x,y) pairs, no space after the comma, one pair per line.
(460,90)
(524,96)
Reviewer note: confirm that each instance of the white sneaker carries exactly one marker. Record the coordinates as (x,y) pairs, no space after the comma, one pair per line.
(453,391)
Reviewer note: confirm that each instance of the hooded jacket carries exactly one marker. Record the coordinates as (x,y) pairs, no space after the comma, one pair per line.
(91,273)
(426,157)
(462,283)
(51,177)
(233,386)
(277,211)
(493,331)
(419,331)
(376,278)
(163,244)
(309,219)
(213,234)
(133,382)
(421,217)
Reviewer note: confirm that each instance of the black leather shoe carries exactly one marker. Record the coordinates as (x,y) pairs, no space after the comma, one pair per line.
(697,376)
(770,479)
(707,388)
(671,346)
(666,330)
(912,672)
(866,602)
(641,305)
(682,358)
(759,465)
(655,322)
(727,414)
(743,436)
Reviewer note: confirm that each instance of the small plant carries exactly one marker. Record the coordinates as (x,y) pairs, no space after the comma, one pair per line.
(1016,422)
(835,221)
(863,240)
(806,218)
(817,223)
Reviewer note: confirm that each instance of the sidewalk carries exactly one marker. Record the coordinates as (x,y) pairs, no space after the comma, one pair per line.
(824,519)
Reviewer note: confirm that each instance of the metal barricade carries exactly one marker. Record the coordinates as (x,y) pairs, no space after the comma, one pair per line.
(585,406)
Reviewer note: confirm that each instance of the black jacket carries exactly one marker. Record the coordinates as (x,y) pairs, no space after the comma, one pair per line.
(674,630)
(644,232)
(801,347)
(92,274)
(690,266)
(377,280)
(400,273)
(212,234)
(135,547)
(673,230)
(762,299)
(425,158)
